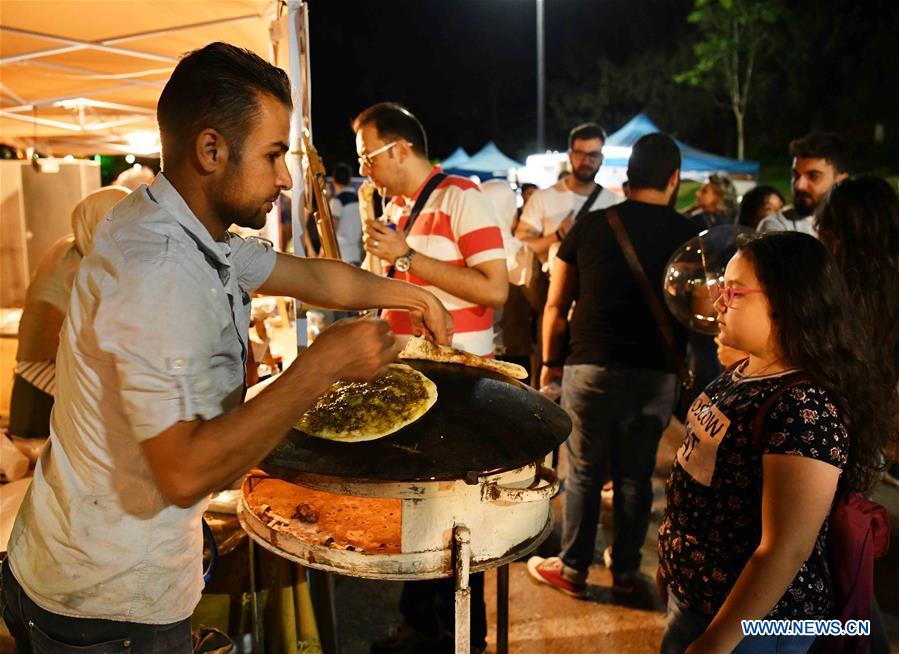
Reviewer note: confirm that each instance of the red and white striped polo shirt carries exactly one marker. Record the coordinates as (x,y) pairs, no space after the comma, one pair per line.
(457,225)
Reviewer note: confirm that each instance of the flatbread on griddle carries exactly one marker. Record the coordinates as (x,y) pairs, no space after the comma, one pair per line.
(419,348)
(351,412)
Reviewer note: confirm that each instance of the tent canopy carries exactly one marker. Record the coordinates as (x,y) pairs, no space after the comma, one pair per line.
(457,158)
(696,162)
(487,162)
(84,77)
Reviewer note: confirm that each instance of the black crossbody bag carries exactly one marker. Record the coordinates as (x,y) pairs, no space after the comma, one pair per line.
(688,390)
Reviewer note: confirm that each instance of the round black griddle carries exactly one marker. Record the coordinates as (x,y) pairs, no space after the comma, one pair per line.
(482,422)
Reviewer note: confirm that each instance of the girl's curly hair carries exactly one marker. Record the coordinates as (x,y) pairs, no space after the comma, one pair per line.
(817,325)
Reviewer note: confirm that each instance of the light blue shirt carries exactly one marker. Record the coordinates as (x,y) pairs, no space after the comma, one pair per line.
(156,333)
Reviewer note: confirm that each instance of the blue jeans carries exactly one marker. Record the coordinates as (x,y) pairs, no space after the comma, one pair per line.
(37,631)
(686,625)
(618,415)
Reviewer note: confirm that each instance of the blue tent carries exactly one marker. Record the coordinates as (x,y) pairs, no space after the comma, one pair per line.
(487,162)
(457,158)
(696,162)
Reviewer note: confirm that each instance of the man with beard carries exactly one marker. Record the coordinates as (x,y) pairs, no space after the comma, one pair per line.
(819,162)
(550,213)
(106,552)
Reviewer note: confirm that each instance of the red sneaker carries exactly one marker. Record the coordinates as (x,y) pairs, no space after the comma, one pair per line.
(553,572)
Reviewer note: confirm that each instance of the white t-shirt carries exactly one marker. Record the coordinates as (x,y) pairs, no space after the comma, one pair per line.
(548,208)
(349,226)
(155,334)
(778,222)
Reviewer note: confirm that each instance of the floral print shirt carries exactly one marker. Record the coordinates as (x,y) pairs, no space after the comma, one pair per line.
(712,521)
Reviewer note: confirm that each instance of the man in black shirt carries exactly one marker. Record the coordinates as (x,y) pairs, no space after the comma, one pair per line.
(619,383)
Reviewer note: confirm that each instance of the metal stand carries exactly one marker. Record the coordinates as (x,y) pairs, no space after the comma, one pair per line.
(502,609)
(321,586)
(255,598)
(461,572)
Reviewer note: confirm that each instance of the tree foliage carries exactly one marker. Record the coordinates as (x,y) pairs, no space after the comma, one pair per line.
(732,34)
(612,91)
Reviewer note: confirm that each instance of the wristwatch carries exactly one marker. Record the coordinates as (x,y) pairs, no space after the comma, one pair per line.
(403,263)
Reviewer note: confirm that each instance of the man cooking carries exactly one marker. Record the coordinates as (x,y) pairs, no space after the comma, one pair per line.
(149,418)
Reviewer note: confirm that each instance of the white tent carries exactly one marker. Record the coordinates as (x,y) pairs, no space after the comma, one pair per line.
(83,76)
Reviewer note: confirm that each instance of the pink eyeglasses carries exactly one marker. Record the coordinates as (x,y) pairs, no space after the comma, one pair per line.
(728,293)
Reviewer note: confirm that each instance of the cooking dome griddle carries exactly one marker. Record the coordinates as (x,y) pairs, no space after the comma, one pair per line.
(482,422)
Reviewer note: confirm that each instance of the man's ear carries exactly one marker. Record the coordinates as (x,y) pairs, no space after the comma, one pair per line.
(673,186)
(841,176)
(403,150)
(674,180)
(211,150)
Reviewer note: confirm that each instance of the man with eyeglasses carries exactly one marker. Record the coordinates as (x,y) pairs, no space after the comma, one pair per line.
(550,213)
(440,230)
(440,233)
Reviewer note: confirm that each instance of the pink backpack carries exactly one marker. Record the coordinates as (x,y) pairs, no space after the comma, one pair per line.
(859,533)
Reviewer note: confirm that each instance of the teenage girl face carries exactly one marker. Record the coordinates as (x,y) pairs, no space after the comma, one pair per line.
(746,324)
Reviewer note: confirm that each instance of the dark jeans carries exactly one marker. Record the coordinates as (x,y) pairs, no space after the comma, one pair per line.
(618,415)
(429,607)
(37,631)
(686,625)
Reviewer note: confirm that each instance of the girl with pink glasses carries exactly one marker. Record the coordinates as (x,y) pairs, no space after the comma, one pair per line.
(769,446)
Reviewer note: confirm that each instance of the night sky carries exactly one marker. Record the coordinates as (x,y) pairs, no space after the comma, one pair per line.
(467,69)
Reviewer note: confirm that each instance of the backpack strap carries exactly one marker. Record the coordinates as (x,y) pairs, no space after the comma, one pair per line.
(346,197)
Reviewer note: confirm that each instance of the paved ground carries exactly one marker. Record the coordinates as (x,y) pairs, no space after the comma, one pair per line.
(542,620)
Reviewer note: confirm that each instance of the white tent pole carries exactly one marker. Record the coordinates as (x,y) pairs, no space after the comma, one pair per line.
(73,45)
(40,121)
(101,104)
(295,11)
(9,92)
(85,73)
(294,72)
(27,56)
(83,94)
(177,28)
(109,124)
(108,43)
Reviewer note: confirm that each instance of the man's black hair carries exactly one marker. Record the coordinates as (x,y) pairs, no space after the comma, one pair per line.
(653,160)
(822,145)
(217,86)
(586,131)
(394,122)
(342,174)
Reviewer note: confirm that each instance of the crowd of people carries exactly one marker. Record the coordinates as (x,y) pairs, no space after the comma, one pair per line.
(150,314)
(807,342)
